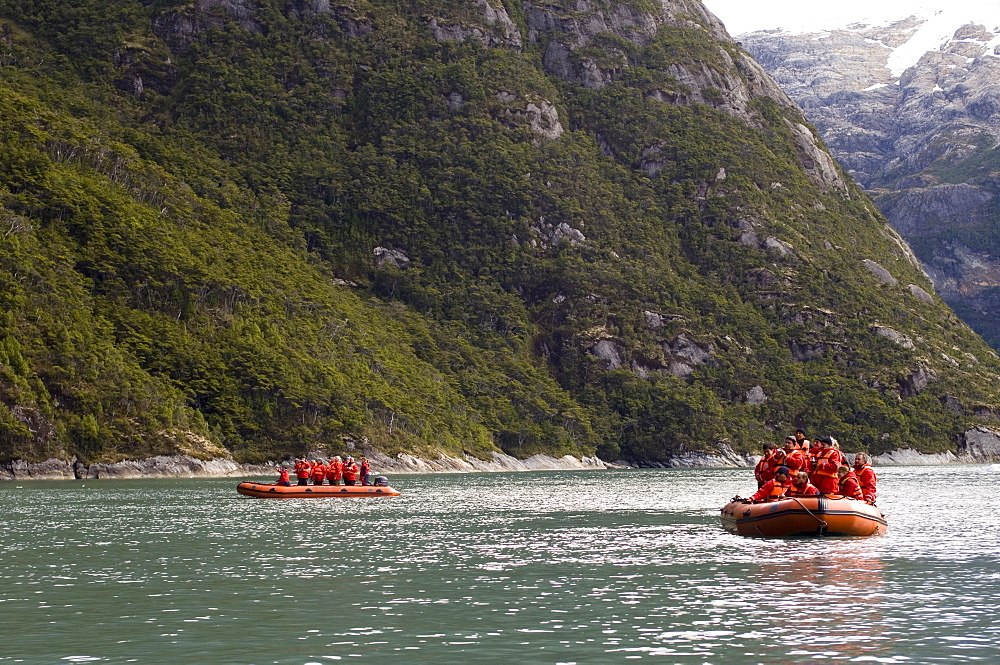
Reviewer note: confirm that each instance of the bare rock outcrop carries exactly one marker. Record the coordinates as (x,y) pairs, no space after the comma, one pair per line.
(911,457)
(396,258)
(817,162)
(539,115)
(884,275)
(179,28)
(549,234)
(684,354)
(723,456)
(161,466)
(894,335)
(566,30)
(610,352)
(403,463)
(917,130)
(488,23)
(980,445)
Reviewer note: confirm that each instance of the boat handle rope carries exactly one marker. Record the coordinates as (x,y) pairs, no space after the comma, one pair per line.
(822,523)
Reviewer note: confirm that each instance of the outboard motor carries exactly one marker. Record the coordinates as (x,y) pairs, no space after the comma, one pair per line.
(380,481)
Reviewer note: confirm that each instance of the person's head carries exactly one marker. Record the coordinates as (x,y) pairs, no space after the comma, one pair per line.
(860,460)
(781,474)
(348,459)
(337,459)
(800,434)
(801,478)
(791,443)
(825,442)
(843,470)
(768,447)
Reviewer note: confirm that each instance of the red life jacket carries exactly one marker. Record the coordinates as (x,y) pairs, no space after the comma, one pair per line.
(764,471)
(868,480)
(796,460)
(771,489)
(762,465)
(284,477)
(350,471)
(777,489)
(807,490)
(827,463)
(301,469)
(850,488)
(334,470)
(319,471)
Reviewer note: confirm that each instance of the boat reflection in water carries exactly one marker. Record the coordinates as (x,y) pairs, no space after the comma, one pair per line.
(836,605)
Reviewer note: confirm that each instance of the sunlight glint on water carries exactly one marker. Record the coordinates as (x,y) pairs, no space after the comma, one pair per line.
(547,567)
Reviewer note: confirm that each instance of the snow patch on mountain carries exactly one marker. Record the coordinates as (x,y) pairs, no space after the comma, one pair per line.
(935,26)
(938,29)
(797,17)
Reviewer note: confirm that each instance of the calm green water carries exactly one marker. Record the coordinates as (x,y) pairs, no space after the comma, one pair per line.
(547,567)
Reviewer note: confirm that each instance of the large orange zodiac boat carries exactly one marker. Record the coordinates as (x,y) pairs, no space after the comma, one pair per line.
(824,515)
(270,491)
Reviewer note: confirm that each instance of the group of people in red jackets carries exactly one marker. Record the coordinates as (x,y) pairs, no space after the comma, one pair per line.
(338,470)
(808,468)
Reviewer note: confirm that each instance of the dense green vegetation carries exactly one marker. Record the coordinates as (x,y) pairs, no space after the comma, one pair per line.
(191,202)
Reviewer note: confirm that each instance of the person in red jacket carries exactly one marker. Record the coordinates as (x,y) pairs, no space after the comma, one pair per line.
(366,469)
(773,457)
(849,485)
(302,470)
(866,477)
(824,476)
(318,472)
(774,488)
(283,479)
(801,485)
(795,458)
(335,470)
(350,471)
(763,472)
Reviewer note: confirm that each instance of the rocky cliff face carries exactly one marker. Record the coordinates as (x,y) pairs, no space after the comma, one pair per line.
(916,122)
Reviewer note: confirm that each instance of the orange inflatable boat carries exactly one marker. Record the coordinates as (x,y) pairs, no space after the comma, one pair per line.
(824,515)
(270,491)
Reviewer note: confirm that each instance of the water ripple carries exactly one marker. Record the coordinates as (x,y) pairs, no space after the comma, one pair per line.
(581,567)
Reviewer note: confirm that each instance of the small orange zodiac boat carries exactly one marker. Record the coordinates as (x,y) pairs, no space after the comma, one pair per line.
(824,515)
(270,491)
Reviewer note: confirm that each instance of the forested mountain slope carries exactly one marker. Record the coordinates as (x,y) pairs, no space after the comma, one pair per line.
(264,227)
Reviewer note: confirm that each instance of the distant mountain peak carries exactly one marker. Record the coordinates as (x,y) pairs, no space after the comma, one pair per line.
(907,33)
(911,108)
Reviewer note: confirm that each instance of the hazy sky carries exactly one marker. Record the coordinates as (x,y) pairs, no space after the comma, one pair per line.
(747,15)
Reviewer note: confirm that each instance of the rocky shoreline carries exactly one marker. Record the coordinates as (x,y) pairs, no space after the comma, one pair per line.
(185,466)
(980,445)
